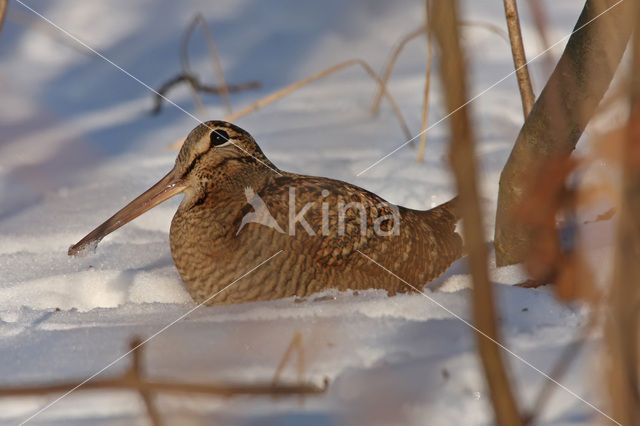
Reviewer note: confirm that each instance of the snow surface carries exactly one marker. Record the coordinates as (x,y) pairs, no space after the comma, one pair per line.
(78,142)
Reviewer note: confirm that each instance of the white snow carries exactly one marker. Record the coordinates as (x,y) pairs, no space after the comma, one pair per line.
(77,143)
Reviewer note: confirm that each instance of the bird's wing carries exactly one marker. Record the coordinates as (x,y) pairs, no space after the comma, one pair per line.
(329,219)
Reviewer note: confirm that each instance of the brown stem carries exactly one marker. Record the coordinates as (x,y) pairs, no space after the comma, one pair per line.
(195,84)
(213,52)
(427,88)
(559,116)
(395,52)
(392,61)
(519,57)
(135,374)
(462,157)
(287,90)
(133,380)
(3,12)
(493,28)
(296,343)
(623,328)
(222,390)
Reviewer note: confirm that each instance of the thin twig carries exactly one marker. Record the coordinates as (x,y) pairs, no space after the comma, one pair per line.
(3,12)
(540,21)
(292,87)
(279,94)
(392,61)
(443,18)
(222,390)
(487,26)
(213,51)
(195,84)
(519,57)
(296,343)
(133,379)
(395,52)
(269,99)
(136,374)
(623,328)
(427,87)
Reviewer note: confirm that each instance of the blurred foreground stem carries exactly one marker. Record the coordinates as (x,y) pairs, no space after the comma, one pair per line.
(443,18)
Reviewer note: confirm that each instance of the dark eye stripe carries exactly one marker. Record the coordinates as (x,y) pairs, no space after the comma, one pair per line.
(192,165)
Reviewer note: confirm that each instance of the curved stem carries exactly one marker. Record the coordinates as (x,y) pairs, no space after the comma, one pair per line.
(519,57)
(3,11)
(213,51)
(425,106)
(292,87)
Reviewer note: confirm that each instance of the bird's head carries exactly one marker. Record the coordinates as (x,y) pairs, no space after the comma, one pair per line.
(215,153)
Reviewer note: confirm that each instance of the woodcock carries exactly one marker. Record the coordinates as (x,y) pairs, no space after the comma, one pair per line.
(239,210)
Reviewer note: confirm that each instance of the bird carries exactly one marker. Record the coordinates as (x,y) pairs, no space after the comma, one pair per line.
(327,233)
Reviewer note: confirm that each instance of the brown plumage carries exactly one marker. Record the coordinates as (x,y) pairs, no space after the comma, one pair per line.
(217,234)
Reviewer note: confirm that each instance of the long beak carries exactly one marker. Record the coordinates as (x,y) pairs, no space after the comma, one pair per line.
(166,188)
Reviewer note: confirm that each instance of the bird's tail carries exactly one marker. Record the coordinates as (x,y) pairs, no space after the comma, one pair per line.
(448,209)
(444,219)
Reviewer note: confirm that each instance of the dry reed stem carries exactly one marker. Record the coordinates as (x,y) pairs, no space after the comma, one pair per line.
(487,26)
(427,88)
(213,51)
(279,94)
(395,52)
(133,379)
(135,373)
(443,18)
(287,90)
(125,383)
(295,344)
(623,327)
(3,12)
(519,57)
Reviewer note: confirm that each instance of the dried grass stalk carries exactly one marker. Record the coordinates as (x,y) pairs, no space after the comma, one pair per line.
(443,18)
(196,86)
(519,57)
(392,62)
(269,99)
(624,324)
(427,88)
(395,52)
(134,379)
(291,88)
(3,12)
(136,373)
(125,383)
(487,26)
(295,345)
(215,59)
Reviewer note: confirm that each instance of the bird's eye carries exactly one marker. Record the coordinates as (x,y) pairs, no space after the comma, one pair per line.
(219,137)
